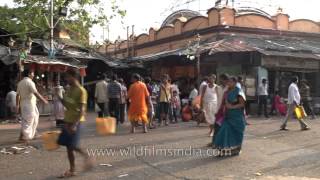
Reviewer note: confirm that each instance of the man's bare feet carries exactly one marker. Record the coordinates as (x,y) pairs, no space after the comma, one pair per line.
(145,129)
(89,163)
(67,174)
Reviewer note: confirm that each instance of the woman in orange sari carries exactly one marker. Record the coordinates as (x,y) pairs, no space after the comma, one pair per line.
(138,95)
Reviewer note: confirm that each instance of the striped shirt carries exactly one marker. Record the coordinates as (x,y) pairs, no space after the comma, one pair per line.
(114,90)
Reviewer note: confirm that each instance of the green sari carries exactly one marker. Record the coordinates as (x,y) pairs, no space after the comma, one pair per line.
(229,139)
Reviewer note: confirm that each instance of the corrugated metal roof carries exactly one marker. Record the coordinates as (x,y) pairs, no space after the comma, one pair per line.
(45,60)
(270,46)
(157,55)
(227,46)
(290,54)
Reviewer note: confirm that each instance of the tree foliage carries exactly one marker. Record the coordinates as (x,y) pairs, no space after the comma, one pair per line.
(27,18)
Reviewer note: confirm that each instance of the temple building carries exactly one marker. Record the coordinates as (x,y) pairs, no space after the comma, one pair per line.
(243,41)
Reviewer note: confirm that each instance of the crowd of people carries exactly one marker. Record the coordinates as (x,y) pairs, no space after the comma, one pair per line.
(222,105)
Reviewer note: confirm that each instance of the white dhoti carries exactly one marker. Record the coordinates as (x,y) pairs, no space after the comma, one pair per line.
(30,120)
(58,110)
(210,110)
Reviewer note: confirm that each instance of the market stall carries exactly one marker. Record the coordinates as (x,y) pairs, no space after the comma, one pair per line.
(47,72)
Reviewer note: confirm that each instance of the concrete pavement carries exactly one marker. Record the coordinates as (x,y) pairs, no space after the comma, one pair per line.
(175,152)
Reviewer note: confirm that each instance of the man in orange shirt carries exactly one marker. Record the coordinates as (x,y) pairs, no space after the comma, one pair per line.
(139,97)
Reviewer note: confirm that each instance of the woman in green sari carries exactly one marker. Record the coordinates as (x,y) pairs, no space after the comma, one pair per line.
(229,138)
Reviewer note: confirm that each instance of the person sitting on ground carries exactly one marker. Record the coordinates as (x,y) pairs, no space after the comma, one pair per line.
(279,106)
(193,94)
(11,103)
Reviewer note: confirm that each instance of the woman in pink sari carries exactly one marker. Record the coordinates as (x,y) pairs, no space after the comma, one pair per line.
(280,107)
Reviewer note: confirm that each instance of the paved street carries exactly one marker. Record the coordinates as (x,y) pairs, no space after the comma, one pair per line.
(267,154)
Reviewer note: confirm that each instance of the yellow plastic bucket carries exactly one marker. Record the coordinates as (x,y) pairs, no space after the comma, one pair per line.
(49,140)
(300,112)
(106,126)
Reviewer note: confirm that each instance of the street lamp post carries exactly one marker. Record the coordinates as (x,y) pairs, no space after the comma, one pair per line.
(194,53)
(51,27)
(62,13)
(198,54)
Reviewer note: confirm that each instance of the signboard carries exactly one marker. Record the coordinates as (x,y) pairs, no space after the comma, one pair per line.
(286,62)
(174,72)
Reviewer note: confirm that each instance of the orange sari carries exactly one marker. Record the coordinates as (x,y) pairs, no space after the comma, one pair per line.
(138,109)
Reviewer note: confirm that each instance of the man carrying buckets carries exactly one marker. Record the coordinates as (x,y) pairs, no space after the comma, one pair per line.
(294,99)
(75,101)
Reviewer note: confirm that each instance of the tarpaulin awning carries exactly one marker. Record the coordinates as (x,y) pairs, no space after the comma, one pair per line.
(8,56)
(156,56)
(45,60)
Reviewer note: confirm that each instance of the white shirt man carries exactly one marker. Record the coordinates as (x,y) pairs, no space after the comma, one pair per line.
(294,94)
(101,96)
(263,98)
(27,94)
(193,94)
(202,85)
(101,92)
(293,100)
(263,90)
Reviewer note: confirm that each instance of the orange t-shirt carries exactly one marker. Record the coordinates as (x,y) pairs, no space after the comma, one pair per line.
(138,94)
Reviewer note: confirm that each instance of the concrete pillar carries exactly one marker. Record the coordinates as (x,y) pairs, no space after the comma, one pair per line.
(152,34)
(227,16)
(281,21)
(214,17)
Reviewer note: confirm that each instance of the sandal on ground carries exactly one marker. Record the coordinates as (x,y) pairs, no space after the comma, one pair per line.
(284,129)
(305,129)
(67,174)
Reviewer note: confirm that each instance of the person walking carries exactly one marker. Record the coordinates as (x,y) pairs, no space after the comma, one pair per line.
(58,108)
(101,95)
(263,98)
(138,96)
(209,102)
(152,103)
(228,141)
(114,94)
(306,98)
(26,101)
(294,100)
(175,104)
(222,95)
(123,102)
(164,100)
(75,101)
